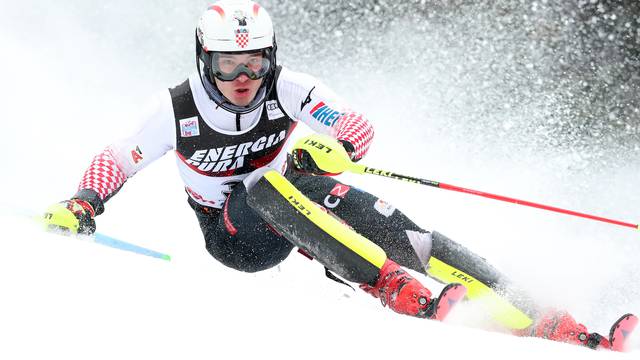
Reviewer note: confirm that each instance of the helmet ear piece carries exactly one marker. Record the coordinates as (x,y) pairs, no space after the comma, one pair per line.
(274,51)
(201,57)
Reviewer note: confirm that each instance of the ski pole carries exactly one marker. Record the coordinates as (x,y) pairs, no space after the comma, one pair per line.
(333,158)
(362,169)
(97,238)
(103,239)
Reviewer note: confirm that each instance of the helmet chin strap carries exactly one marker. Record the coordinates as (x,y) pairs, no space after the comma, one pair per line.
(217,97)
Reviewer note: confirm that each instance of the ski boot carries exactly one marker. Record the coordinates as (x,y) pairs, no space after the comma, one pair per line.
(405,295)
(396,288)
(562,327)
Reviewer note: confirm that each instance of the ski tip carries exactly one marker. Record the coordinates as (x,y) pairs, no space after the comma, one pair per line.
(621,330)
(449,297)
(166,257)
(456,291)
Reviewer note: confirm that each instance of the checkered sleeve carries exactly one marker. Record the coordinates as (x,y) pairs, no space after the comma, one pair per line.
(354,128)
(104,175)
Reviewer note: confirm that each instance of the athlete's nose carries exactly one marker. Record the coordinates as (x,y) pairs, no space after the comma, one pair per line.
(242,78)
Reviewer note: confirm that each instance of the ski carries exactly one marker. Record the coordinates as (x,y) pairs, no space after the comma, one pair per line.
(440,307)
(621,330)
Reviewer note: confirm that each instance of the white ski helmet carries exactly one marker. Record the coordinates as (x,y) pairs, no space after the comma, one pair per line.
(235,26)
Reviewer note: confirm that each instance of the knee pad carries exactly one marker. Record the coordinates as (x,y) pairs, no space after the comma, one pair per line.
(303,223)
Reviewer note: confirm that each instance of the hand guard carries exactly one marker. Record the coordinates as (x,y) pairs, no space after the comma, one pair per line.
(321,155)
(73,216)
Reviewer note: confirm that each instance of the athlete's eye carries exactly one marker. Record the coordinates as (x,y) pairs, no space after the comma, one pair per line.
(255,64)
(226,65)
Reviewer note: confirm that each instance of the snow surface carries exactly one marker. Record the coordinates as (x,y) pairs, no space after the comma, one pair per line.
(74,83)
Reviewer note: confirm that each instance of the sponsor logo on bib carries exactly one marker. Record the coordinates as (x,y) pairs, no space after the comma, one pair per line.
(273,110)
(189,127)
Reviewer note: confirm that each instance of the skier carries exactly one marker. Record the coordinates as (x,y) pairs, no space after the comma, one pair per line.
(230,123)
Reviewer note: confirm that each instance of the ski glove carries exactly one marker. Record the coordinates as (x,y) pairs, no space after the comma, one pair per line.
(322,155)
(73,216)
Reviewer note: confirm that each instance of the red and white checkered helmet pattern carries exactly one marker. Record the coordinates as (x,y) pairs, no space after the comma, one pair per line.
(235,25)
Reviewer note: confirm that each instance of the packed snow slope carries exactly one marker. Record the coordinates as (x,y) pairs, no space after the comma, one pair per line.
(76,74)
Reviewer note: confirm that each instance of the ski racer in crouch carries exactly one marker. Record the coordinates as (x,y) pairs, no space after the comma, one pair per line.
(230,123)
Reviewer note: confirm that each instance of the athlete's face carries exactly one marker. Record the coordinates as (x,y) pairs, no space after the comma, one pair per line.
(242,89)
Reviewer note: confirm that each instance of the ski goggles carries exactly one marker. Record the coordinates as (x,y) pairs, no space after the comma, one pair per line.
(229,66)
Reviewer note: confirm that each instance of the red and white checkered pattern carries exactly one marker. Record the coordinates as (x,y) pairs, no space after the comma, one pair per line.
(103,175)
(242,39)
(354,128)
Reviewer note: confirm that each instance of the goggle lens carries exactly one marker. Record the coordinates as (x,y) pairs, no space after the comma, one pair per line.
(228,67)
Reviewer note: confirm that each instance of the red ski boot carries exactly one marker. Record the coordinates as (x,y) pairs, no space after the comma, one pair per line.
(404,294)
(562,327)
